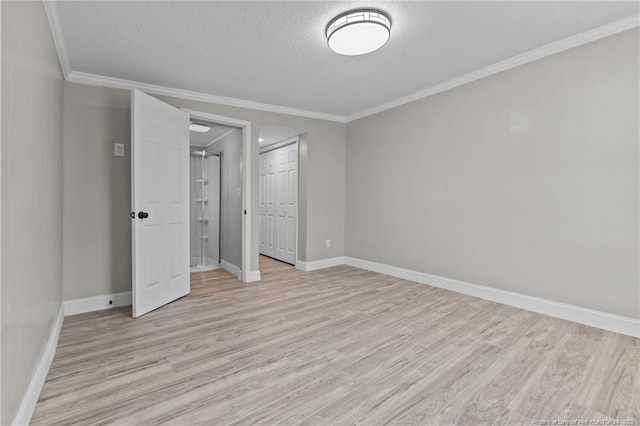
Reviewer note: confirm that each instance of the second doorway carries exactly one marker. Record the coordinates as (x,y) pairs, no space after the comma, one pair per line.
(279,200)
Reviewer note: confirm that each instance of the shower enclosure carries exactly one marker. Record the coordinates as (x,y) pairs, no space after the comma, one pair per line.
(205,209)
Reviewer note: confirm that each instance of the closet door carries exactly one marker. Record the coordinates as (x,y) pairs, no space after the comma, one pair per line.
(267,204)
(279,196)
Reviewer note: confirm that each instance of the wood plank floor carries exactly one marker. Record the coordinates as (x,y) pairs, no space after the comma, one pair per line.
(336,346)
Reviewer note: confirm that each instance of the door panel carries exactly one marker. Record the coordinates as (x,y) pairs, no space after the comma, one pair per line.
(160,180)
(291,236)
(263,230)
(291,188)
(176,231)
(271,226)
(152,155)
(152,255)
(270,190)
(281,235)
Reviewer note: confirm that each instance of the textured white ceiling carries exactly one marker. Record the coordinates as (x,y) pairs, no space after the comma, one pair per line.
(276,53)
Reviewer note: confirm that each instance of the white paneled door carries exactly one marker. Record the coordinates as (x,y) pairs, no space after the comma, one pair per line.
(160,200)
(278,203)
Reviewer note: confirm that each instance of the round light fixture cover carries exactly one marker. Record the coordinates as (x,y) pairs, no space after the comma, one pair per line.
(358,32)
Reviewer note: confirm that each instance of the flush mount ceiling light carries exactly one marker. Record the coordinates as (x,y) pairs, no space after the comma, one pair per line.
(200,128)
(358,32)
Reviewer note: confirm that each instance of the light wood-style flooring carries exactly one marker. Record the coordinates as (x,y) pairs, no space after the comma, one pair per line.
(338,346)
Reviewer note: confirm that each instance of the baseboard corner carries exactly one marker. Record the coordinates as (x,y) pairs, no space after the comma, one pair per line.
(231,268)
(253,276)
(314,265)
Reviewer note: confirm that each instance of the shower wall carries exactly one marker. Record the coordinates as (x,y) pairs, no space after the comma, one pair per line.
(205,210)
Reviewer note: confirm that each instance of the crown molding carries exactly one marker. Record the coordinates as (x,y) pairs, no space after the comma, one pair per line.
(117,83)
(51,8)
(53,16)
(533,55)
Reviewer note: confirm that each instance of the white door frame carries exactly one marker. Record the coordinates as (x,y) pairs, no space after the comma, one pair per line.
(246,274)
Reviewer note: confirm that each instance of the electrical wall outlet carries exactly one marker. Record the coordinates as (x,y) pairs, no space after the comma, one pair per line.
(328,243)
(118,149)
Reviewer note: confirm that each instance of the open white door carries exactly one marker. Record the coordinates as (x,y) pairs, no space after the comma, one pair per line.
(160,201)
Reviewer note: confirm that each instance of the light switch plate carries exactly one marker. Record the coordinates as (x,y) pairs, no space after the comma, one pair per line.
(118,149)
(328,243)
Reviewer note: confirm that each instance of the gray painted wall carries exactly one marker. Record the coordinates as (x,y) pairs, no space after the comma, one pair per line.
(31,168)
(525,181)
(231,197)
(97,193)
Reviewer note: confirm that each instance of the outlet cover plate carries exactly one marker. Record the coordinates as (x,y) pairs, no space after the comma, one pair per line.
(118,149)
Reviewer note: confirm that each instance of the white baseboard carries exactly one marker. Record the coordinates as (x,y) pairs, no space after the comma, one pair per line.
(253,276)
(319,264)
(231,268)
(28,404)
(591,317)
(96,303)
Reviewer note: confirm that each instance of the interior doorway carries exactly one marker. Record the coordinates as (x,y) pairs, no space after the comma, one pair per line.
(160,175)
(207,142)
(278,198)
(237,134)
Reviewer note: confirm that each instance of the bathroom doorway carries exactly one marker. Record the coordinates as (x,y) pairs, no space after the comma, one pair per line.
(215,201)
(161,202)
(238,254)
